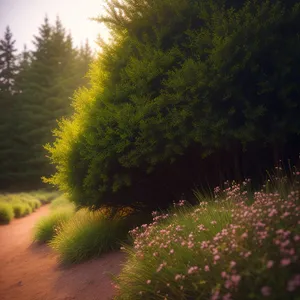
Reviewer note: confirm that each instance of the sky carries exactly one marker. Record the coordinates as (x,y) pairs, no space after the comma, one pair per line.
(25,16)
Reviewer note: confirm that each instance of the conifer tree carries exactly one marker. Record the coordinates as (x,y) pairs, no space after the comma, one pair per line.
(85,58)
(8,71)
(182,81)
(47,80)
(7,62)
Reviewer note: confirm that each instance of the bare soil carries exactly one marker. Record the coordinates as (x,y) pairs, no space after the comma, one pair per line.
(32,272)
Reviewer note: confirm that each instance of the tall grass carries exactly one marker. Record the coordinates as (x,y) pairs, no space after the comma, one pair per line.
(45,197)
(6,213)
(229,248)
(61,211)
(61,202)
(47,227)
(22,204)
(89,234)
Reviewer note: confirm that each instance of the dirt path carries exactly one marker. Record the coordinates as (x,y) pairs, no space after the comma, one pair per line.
(31,272)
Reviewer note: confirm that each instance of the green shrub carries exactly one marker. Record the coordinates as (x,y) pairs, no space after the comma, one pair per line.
(44,197)
(89,234)
(37,203)
(47,227)
(27,209)
(18,208)
(6,213)
(31,204)
(162,99)
(61,202)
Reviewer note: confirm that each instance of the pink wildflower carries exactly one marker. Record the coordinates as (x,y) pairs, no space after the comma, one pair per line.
(216,257)
(293,283)
(266,291)
(285,262)
(270,264)
(244,235)
(215,295)
(235,279)
(177,277)
(297,238)
(227,296)
(228,284)
(192,270)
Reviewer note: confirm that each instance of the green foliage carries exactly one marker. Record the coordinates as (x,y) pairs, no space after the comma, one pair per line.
(23,204)
(35,89)
(6,213)
(217,250)
(18,208)
(88,234)
(61,202)
(45,197)
(8,70)
(91,233)
(47,227)
(182,80)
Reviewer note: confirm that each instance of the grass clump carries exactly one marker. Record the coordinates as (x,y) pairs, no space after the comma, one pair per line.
(47,227)
(227,249)
(61,202)
(18,208)
(6,213)
(45,197)
(89,234)
(23,204)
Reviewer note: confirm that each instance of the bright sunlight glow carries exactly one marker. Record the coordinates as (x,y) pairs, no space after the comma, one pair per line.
(25,16)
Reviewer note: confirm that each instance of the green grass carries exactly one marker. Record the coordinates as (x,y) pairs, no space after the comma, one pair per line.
(6,213)
(221,249)
(23,204)
(47,227)
(61,202)
(18,208)
(90,234)
(45,197)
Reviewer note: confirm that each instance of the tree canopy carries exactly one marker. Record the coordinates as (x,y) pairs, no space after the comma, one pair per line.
(186,87)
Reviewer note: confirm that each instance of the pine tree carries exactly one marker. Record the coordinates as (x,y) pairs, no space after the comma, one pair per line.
(85,58)
(47,80)
(7,62)
(8,71)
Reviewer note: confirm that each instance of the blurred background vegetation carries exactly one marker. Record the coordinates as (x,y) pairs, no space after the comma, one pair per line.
(36,88)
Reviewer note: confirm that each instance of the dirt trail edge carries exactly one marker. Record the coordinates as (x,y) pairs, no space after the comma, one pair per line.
(31,272)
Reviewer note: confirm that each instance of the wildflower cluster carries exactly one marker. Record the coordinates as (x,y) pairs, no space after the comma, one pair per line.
(219,251)
(233,191)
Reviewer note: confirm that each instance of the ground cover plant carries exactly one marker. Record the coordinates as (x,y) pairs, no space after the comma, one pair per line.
(22,204)
(45,196)
(6,213)
(61,210)
(89,233)
(238,246)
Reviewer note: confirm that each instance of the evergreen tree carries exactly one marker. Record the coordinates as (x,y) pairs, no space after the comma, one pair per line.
(84,59)
(182,80)
(8,71)
(46,82)
(7,62)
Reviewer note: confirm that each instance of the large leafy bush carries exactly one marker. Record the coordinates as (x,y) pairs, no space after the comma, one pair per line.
(181,80)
